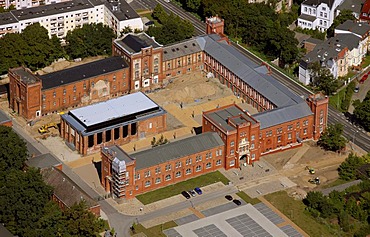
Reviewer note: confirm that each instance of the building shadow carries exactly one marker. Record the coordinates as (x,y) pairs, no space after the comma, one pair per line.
(197,130)
(97,166)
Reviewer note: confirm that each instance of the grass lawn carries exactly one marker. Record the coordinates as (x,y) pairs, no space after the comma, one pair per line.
(149,16)
(248,199)
(295,210)
(177,188)
(336,100)
(366,61)
(155,231)
(334,183)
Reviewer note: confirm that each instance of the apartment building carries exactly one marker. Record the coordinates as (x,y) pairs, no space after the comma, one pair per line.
(59,18)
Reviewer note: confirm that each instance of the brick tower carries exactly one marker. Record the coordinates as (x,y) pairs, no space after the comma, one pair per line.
(215,25)
(319,106)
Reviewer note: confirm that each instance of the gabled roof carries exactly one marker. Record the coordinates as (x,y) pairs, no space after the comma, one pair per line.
(82,72)
(359,28)
(133,43)
(248,71)
(43,161)
(349,40)
(65,189)
(181,49)
(352,5)
(4,117)
(174,150)
(318,2)
(281,115)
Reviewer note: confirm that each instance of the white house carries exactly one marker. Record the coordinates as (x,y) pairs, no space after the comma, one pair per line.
(59,18)
(317,14)
(21,4)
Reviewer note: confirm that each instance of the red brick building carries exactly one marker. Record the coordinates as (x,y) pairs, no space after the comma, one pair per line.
(116,121)
(32,96)
(126,176)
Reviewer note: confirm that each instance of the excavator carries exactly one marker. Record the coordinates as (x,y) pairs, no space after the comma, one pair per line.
(45,128)
(310,170)
(315,181)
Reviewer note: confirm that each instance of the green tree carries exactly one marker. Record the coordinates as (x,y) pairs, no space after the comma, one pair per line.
(90,40)
(343,16)
(192,5)
(322,79)
(362,112)
(318,204)
(159,14)
(348,169)
(331,139)
(13,150)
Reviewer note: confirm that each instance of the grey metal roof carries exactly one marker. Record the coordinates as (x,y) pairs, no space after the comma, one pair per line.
(120,154)
(220,117)
(278,116)
(177,149)
(7,18)
(133,43)
(349,40)
(360,28)
(4,117)
(307,17)
(181,49)
(249,72)
(25,75)
(43,161)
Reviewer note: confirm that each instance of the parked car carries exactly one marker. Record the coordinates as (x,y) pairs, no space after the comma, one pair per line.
(237,202)
(229,197)
(198,191)
(192,193)
(364,78)
(357,89)
(185,194)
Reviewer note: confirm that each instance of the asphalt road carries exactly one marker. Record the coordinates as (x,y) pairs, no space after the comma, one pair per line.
(352,132)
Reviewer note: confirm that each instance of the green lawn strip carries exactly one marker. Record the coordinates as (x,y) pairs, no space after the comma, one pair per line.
(336,100)
(150,17)
(248,199)
(155,231)
(295,210)
(366,61)
(186,185)
(334,183)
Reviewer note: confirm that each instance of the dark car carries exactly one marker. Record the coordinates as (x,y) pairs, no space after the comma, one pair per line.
(192,193)
(229,197)
(185,194)
(149,23)
(237,202)
(198,191)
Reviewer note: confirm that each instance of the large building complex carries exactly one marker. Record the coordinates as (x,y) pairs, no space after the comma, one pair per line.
(126,176)
(59,18)
(115,121)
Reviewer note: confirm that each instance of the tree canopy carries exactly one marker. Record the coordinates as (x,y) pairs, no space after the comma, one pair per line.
(331,139)
(348,169)
(340,19)
(172,30)
(322,79)
(32,48)
(362,112)
(90,40)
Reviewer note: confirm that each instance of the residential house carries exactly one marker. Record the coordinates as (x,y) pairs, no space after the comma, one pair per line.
(365,12)
(353,5)
(317,14)
(359,29)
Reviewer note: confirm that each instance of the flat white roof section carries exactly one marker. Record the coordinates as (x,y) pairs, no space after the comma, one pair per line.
(113,108)
(242,221)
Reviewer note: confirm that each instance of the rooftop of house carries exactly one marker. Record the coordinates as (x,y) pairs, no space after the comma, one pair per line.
(7,18)
(65,189)
(117,152)
(178,50)
(236,115)
(307,17)
(4,117)
(4,89)
(121,9)
(25,75)
(177,149)
(43,161)
(82,72)
(359,28)
(353,5)
(365,8)
(318,2)
(134,43)
(349,40)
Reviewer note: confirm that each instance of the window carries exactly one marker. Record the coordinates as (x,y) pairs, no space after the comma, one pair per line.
(321,14)
(92,84)
(43,97)
(54,94)
(289,136)
(321,116)
(157,180)
(84,86)
(168,177)
(326,15)
(232,152)
(279,139)
(232,143)
(297,126)
(324,8)
(74,98)
(208,165)
(253,156)
(64,101)
(136,66)
(305,9)
(198,158)
(188,171)
(158,170)
(155,69)
(252,138)
(198,168)
(168,65)
(137,176)
(54,103)
(155,61)
(74,88)
(114,78)
(178,164)
(305,131)
(188,161)
(232,163)
(168,167)
(218,162)
(147,183)
(178,174)
(147,173)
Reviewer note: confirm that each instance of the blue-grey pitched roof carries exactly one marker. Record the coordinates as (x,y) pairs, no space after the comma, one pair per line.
(4,117)
(43,161)
(178,149)
(278,116)
(248,71)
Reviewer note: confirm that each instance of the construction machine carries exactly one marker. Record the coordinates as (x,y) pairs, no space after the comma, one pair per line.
(310,170)
(315,181)
(45,128)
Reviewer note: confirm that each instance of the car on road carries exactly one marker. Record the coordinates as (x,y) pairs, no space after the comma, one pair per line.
(198,190)
(185,194)
(192,193)
(237,202)
(229,197)
(364,78)
(357,89)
